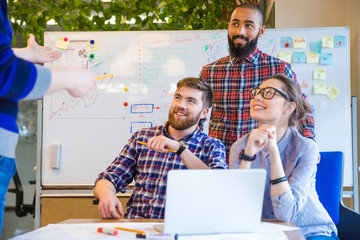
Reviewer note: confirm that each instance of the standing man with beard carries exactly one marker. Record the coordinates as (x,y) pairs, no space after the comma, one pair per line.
(149,165)
(232,77)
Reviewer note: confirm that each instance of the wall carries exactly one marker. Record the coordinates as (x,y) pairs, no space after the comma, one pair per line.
(326,13)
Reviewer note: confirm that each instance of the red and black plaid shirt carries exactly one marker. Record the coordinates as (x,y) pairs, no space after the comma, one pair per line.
(231,79)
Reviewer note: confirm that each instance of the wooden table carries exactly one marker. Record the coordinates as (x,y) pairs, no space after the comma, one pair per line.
(292,235)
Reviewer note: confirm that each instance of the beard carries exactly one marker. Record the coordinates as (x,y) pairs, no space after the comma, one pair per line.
(242,51)
(183,124)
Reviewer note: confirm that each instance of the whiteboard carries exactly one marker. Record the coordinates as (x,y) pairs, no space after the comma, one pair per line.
(146,67)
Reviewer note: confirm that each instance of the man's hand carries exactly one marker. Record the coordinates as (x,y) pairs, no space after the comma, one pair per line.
(41,54)
(36,53)
(108,202)
(162,144)
(108,205)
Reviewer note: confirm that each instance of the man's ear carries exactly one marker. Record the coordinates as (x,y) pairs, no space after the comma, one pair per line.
(262,30)
(204,112)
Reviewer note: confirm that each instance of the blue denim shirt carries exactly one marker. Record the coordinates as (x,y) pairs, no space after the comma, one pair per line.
(301,205)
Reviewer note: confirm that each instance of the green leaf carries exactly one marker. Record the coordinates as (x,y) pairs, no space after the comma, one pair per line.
(75,15)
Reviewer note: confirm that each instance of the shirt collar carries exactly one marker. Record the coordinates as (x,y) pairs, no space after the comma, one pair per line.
(284,141)
(252,58)
(192,135)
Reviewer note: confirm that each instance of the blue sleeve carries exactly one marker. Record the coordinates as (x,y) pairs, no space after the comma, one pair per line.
(42,84)
(236,147)
(217,156)
(17,76)
(288,205)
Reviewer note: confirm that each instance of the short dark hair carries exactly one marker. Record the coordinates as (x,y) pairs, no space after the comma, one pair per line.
(199,84)
(293,91)
(250,6)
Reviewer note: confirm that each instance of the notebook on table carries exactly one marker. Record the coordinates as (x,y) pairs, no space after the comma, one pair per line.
(214,201)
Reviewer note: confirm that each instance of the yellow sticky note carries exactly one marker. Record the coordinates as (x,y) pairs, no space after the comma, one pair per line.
(332,92)
(63,43)
(285,56)
(92,45)
(327,42)
(312,57)
(320,88)
(299,42)
(319,73)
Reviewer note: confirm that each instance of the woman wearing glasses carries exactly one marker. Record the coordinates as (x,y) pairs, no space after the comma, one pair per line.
(289,158)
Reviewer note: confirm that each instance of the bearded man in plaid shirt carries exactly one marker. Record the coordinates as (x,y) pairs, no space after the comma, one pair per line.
(179,144)
(232,77)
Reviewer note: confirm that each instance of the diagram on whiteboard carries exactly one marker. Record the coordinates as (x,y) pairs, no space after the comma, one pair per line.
(142,74)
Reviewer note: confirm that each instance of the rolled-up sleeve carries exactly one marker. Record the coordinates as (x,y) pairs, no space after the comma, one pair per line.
(288,205)
(216,156)
(121,171)
(42,84)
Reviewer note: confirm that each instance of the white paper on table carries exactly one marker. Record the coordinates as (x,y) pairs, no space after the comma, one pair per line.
(268,231)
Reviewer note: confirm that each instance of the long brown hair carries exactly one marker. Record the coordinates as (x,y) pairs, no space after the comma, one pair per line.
(293,91)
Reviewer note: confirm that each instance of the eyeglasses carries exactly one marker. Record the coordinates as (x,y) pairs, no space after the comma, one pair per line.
(267,93)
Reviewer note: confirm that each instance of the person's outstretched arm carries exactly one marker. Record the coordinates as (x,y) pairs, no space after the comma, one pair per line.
(36,53)
(76,81)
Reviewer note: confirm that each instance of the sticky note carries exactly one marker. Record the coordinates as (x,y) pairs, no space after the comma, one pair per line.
(319,73)
(63,43)
(326,58)
(320,88)
(327,42)
(92,45)
(94,59)
(299,42)
(340,41)
(315,47)
(312,57)
(286,42)
(332,92)
(299,57)
(285,56)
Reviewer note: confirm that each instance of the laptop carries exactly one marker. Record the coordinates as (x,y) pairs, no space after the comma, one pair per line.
(214,201)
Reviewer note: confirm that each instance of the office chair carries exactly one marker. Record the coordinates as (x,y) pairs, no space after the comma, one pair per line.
(329,189)
(21,209)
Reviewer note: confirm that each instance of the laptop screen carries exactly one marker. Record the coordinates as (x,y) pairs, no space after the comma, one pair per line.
(214,201)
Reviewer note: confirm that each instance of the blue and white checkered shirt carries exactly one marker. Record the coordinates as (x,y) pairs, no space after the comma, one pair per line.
(149,169)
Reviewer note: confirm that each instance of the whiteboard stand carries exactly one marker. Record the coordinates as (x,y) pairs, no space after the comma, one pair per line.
(38,165)
(355,153)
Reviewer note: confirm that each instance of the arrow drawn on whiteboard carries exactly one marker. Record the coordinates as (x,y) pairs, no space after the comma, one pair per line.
(157,108)
(141,117)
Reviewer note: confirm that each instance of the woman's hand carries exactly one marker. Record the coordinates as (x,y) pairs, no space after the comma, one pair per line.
(264,135)
(271,134)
